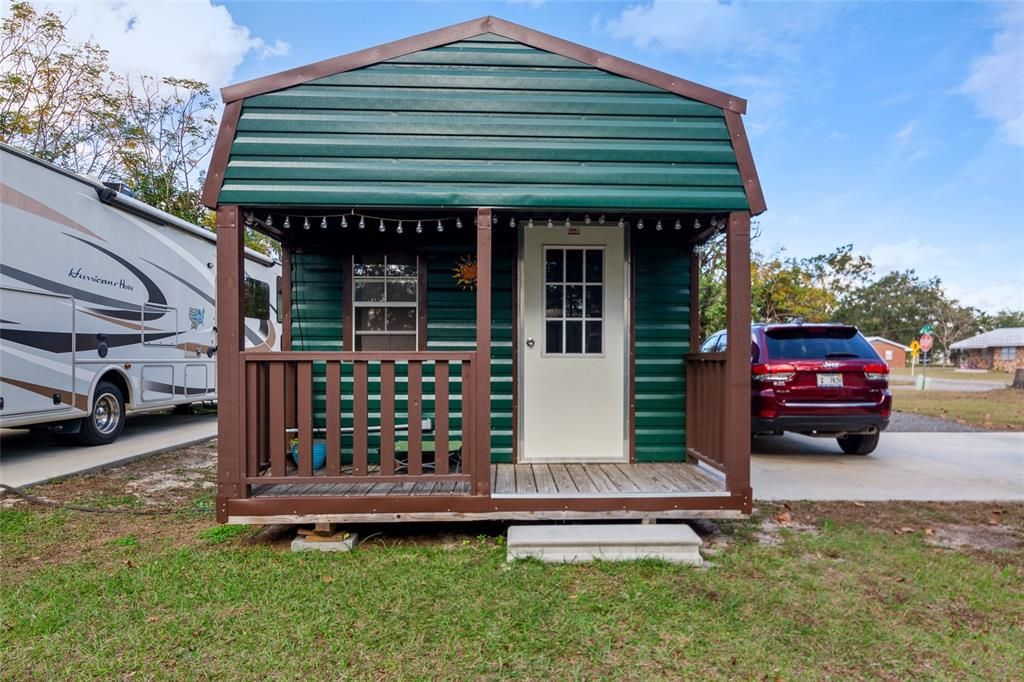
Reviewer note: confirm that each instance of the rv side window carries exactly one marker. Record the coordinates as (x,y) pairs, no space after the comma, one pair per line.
(278,285)
(257,299)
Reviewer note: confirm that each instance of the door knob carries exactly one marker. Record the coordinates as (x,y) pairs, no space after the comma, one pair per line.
(529,342)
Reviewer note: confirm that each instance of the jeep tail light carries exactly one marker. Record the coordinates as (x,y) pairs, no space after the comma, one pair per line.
(775,372)
(876,371)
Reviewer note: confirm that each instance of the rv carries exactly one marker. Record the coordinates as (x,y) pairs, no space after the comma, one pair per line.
(107,304)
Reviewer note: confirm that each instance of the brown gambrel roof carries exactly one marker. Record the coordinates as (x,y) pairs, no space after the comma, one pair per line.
(732,107)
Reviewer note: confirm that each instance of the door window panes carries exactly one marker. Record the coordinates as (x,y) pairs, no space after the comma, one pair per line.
(574,300)
(385,293)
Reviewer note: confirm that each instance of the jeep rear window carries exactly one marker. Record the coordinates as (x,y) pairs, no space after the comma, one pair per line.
(815,343)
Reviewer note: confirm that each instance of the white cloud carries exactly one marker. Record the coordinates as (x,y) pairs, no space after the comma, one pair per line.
(710,26)
(188,39)
(995,80)
(910,254)
(1006,295)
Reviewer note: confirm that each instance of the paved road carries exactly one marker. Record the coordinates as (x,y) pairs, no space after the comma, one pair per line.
(906,466)
(900,382)
(29,458)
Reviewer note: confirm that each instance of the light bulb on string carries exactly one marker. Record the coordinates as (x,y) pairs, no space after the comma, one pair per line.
(344,222)
(419,227)
(658,226)
(512,222)
(586,219)
(362,223)
(399,229)
(696,223)
(551,223)
(381,228)
(529,224)
(678,225)
(640,224)
(323,223)
(440,226)
(305,223)
(622,223)
(567,223)
(287,223)
(270,220)
(458,222)
(600,220)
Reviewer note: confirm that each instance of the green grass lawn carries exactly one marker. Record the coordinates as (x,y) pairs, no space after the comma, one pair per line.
(842,590)
(951,373)
(1002,409)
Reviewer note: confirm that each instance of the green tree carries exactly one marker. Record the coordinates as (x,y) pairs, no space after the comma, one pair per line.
(1002,319)
(894,306)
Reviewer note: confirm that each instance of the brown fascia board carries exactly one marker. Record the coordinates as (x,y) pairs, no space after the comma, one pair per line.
(731,105)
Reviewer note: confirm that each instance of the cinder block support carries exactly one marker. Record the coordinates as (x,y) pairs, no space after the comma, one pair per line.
(676,543)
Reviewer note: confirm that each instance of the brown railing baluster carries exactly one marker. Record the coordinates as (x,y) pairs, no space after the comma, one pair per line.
(387,417)
(360,418)
(252,420)
(304,404)
(278,437)
(468,449)
(333,423)
(415,394)
(441,417)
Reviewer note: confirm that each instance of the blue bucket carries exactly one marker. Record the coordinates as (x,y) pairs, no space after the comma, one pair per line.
(319,454)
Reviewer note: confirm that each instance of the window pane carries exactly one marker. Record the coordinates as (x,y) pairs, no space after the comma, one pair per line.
(573,337)
(595,302)
(365,265)
(369,319)
(574,265)
(369,290)
(401,290)
(553,304)
(595,265)
(401,319)
(400,265)
(593,336)
(553,266)
(574,300)
(553,337)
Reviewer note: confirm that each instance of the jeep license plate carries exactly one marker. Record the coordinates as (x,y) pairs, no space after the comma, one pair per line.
(830,381)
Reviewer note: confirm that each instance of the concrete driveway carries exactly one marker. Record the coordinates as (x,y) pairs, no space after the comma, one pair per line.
(906,466)
(28,458)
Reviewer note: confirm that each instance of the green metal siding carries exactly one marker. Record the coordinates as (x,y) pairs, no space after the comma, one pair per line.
(317,313)
(482,122)
(662,312)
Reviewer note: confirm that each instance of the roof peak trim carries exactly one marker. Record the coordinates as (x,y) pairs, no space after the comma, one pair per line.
(471,29)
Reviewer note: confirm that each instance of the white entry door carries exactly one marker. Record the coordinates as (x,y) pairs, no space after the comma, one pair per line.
(573,345)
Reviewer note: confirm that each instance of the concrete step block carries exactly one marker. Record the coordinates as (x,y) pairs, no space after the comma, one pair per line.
(338,543)
(676,543)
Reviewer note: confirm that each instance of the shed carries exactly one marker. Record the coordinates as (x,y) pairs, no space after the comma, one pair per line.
(894,353)
(489,294)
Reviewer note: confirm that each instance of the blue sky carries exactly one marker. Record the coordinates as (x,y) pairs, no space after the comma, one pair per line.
(898,127)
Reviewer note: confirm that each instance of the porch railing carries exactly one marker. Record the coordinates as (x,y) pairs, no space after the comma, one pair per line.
(705,407)
(386,417)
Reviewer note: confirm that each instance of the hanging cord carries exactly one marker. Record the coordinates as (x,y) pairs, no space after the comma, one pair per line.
(32,499)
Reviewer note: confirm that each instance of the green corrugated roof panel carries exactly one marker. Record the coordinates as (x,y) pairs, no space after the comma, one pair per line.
(482,122)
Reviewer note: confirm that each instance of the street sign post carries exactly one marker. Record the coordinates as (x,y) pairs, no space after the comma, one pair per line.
(926,345)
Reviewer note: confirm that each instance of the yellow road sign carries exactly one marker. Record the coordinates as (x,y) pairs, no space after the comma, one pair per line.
(915,347)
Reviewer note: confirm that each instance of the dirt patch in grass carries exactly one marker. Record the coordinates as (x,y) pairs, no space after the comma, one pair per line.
(999,410)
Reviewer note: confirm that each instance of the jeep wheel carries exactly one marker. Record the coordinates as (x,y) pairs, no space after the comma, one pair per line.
(107,419)
(859,444)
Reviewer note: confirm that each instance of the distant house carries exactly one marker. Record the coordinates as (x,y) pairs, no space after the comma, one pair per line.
(1001,349)
(894,354)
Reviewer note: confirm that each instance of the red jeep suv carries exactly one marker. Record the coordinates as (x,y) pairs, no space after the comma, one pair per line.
(816,379)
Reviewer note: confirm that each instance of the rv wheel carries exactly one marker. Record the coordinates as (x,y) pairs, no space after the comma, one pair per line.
(107,419)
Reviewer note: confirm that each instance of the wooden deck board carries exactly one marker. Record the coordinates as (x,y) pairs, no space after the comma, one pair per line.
(524,478)
(542,477)
(563,481)
(581,478)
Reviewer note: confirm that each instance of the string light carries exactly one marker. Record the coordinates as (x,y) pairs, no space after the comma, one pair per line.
(419,227)
(622,223)
(640,224)
(362,223)
(287,223)
(305,224)
(512,222)
(586,219)
(530,224)
(567,223)
(696,223)
(551,223)
(440,226)
(323,223)
(399,229)
(270,220)
(600,221)
(678,225)
(658,226)
(381,228)
(458,222)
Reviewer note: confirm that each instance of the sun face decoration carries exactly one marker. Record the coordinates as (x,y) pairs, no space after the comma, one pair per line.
(464,273)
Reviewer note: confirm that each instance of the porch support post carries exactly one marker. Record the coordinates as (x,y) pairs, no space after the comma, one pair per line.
(482,394)
(230,344)
(286,297)
(736,439)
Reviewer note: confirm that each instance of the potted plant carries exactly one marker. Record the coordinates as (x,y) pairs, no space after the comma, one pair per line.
(319,452)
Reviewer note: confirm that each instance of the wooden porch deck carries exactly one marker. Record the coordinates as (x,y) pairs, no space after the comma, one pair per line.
(508,481)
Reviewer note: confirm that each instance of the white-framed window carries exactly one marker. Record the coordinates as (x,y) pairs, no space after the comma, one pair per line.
(1007,353)
(573,300)
(385,301)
